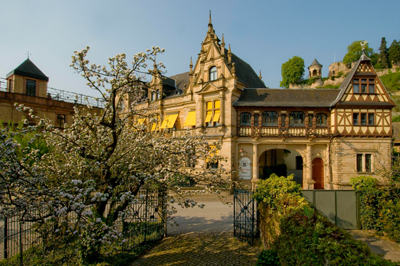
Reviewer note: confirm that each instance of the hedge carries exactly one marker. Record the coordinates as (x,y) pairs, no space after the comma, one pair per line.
(300,235)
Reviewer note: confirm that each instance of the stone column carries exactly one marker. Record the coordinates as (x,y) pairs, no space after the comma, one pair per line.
(200,122)
(309,181)
(328,167)
(254,178)
(222,108)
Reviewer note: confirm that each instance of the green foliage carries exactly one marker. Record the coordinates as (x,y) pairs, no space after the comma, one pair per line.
(271,190)
(292,71)
(340,74)
(391,81)
(354,52)
(330,87)
(383,55)
(313,240)
(394,52)
(379,207)
(268,257)
(279,170)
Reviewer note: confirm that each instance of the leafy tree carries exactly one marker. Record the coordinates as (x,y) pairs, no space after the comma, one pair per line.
(292,71)
(394,52)
(354,52)
(383,55)
(77,192)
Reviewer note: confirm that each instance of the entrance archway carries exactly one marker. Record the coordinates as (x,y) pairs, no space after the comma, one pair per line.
(282,162)
(318,173)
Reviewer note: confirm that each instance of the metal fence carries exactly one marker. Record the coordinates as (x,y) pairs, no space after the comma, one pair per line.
(143,223)
(341,207)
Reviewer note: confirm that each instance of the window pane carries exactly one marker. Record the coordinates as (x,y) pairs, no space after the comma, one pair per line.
(355,119)
(367,162)
(371,119)
(301,119)
(256,117)
(359,163)
(209,105)
(321,120)
(213,73)
(274,116)
(371,80)
(371,88)
(31,87)
(355,80)
(364,80)
(245,119)
(363,119)
(310,120)
(363,88)
(356,88)
(264,119)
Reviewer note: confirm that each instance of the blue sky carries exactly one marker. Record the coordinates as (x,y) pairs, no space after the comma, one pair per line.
(263,33)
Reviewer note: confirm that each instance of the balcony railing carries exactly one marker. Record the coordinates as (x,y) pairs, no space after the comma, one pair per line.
(248,131)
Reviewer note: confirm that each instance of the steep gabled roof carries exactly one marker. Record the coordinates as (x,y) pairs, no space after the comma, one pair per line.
(287,97)
(245,73)
(28,69)
(181,80)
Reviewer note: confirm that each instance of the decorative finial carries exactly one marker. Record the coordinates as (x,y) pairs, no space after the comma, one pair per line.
(27,54)
(223,41)
(209,22)
(260,74)
(191,64)
(363,44)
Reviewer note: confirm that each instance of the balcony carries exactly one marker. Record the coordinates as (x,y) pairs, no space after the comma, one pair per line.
(284,132)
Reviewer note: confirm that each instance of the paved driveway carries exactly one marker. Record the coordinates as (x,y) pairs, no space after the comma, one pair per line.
(215,217)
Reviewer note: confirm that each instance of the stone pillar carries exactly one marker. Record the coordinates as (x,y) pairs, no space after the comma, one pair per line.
(327,171)
(201,112)
(254,178)
(309,181)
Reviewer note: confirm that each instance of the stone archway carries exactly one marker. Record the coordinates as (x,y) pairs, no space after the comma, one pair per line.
(282,162)
(318,173)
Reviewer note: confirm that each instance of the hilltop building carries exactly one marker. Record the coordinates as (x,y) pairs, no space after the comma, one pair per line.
(28,85)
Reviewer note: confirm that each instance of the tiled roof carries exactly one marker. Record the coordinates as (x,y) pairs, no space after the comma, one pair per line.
(315,63)
(181,80)
(287,97)
(28,69)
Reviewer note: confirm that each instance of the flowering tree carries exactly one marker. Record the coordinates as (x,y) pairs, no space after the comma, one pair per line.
(95,168)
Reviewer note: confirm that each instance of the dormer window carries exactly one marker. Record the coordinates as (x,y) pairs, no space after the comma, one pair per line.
(213,73)
(31,87)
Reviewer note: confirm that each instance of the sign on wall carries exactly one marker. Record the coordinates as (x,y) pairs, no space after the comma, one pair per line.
(245,168)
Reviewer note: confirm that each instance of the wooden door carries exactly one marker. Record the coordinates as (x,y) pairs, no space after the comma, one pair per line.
(318,173)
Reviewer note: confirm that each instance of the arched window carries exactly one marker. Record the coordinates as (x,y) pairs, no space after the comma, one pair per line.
(245,119)
(321,120)
(269,119)
(296,119)
(213,73)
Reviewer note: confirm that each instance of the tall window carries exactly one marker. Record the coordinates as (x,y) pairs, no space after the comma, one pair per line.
(283,120)
(60,121)
(363,86)
(213,113)
(245,119)
(296,119)
(364,162)
(310,120)
(269,119)
(31,87)
(213,73)
(322,120)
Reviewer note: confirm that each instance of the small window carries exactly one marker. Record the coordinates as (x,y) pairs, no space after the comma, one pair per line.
(283,120)
(322,120)
(371,119)
(356,86)
(363,88)
(363,118)
(269,119)
(355,119)
(371,88)
(213,73)
(256,117)
(367,162)
(245,119)
(359,163)
(296,119)
(31,87)
(60,121)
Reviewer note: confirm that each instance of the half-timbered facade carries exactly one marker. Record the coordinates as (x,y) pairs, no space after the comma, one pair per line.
(321,136)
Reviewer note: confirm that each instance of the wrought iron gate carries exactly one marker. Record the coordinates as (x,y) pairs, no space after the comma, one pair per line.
(244,216)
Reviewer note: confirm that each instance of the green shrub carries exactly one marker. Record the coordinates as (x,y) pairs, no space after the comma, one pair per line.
(268,257)
(396,118)
(379,208)
(279,170)
(391,81)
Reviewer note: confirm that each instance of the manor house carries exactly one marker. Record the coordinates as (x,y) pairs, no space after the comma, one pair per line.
(322,136)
